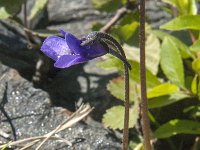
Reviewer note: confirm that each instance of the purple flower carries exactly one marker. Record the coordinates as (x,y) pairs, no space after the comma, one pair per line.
(67,51)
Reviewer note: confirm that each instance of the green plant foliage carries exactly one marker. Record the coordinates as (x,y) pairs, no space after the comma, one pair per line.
(171,62)
(114,117)
(106,5)
(9,8)
(152,53)
(162,89)
(195,47)
(111,63)
(185,7)
(194,111)
(182,23)
(37,8)
(196,65)
(194,87)
(162,101)
(182,47)
(127,31)
(114,63)
(116,87)
(127,27)
(174,127)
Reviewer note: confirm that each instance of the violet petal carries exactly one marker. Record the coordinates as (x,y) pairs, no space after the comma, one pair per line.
(74,43)
(69,60)
(55,47)
(95,50)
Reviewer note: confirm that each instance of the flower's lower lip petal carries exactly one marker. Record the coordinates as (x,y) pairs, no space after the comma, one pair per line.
(54,47)
(69,60)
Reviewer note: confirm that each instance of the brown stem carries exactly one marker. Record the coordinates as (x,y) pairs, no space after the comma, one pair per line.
(25,14)
(144,105)
(193,39)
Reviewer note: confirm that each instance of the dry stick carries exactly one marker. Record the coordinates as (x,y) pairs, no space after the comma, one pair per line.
(82,112)
(25,14)
(120,13)
(144,105)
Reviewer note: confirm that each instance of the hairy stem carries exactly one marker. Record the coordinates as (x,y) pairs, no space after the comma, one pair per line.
(144,105)
(113,42)
(105,39)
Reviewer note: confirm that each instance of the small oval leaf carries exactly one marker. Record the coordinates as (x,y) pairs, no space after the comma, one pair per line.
(171,62)
(183,22)
(176,126)
(162,89)
(114,117)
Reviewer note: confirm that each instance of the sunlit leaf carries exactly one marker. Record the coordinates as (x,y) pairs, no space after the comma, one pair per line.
(171,62)
(152,53)
(116,87)
(111,63)
(182,23)
(176,126)
(196,65)
(114,63)
(9,8)
(194,85)
(37,8)
(114,117)
(167,100)
(162,89)
(185,7)
(196,46)
(126,31)
(182,47)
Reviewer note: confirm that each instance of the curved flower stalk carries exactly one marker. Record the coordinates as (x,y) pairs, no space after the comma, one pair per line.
(105,39)
(69,51)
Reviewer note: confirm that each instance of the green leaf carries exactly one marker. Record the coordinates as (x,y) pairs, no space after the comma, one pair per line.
(174,127)
(152,53)
(152,80)
(129,18)
(162,89)
(9,8)
(182,23)
(192,7)
(195,47)
(196,65)
(171,62)
(114,117)
(96,26)
(167,100)
(194,85)
(185,7)
(127,31)
(116,87)
(182,47)
(37,8)
(106,5)
(111,63)
(114,63)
